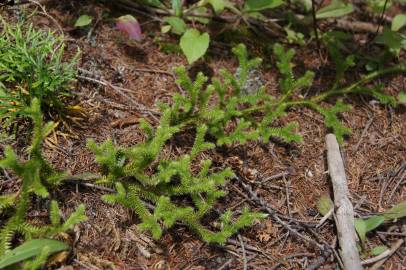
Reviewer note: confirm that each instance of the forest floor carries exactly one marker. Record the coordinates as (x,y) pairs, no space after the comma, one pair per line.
(289,177)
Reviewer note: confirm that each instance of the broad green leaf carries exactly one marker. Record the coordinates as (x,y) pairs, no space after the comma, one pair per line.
(83,20)
(366,225)
(218,5)
(194,45)
(398,22)
(258,5)
(397,211)
(336,8)
(402,98)
(178,25)
(373,222)
(361,228)
(378,250)
(31,249)
(324,204)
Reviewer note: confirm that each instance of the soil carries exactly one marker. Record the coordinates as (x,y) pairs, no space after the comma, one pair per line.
(374,155)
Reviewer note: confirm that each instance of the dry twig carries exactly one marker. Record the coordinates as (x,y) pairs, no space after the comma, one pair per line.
(254,196)
(244,255)
(357,26)
(364,132)
(344,210)
(120,91)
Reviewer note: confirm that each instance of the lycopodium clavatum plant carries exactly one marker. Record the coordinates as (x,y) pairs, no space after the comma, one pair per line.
(37,177)
(164,191)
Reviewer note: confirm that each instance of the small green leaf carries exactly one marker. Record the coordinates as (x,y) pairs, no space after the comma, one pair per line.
(30,249)
(402,98)
(335,9)
(398,22)
(218,5)
(178,25)
(378,250)
(166,28)
(397,211)
(324,204)
(194,45)
(83,20)
(258,5)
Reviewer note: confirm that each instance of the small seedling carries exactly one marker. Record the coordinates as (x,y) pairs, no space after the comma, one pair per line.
(364,226)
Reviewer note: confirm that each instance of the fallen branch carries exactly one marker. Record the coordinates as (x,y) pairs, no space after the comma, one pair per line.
(356,26)
(326,216)
(244,255)
(319,261)
(344,213)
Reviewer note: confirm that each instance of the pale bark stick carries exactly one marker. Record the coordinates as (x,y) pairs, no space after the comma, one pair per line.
(344,212)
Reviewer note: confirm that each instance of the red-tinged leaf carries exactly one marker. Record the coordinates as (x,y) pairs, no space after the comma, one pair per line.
(129,25)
